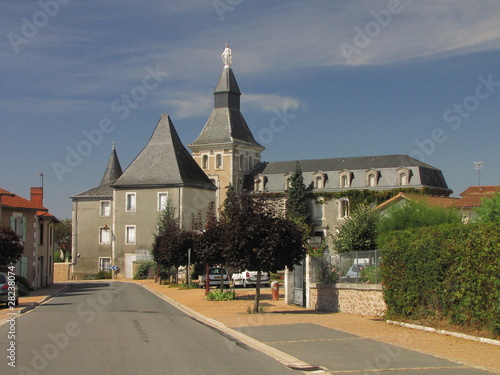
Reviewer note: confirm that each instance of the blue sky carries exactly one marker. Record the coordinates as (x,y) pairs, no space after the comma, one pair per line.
(320,79)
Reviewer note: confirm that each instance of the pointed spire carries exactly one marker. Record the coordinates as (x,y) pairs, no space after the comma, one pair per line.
(113,169)
(226,123)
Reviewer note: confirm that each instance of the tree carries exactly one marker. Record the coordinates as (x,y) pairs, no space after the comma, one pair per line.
(489,211)
(358,231)
(63,238)
(171,243)
(259,239)
(10,246)
(296,206)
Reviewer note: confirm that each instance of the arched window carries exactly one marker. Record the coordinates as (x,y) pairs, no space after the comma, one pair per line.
(250,162)
(218,161)
(205,162)
(344,180)
(242,161)
(371,180)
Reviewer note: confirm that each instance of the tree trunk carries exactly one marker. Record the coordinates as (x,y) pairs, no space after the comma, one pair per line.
(257,293)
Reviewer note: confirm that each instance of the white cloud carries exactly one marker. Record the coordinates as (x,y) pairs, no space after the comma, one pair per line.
(270,103)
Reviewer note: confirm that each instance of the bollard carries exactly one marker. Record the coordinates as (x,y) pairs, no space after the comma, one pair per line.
(275,289)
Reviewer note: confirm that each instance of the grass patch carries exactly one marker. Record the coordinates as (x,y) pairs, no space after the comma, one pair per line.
(221,295)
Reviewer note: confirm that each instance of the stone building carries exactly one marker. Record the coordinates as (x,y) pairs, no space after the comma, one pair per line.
(114,223)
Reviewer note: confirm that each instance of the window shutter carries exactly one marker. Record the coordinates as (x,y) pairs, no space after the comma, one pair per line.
(23,223)
(13,223)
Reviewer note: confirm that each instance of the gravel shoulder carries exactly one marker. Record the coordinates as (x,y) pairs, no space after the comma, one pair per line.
(234,314)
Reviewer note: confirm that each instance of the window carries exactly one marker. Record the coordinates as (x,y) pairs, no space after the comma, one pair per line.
(250,162)
(18,225)
(204,162)
(41,228)
(404,175)
(162,201)
(242,161)
(218,161)
(104,264)
(130,234)
(343,208)
(130,202)
(372,177)
(104,235)
(105,209)
(345,179)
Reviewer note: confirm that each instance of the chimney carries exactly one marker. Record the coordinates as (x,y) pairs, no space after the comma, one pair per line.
(36,194)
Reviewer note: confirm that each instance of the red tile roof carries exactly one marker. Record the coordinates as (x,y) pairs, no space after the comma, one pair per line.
(8,199)
(430,200)
(480,190)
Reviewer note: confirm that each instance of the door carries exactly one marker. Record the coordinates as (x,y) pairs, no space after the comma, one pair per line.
(129,266)
(299,285)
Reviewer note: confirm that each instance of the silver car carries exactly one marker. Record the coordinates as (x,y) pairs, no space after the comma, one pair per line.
(9,292)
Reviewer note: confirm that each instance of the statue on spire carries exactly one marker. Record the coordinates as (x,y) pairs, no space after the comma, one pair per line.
(227,57)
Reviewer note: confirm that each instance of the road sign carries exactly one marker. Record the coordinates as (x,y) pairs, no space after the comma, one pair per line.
(113,268)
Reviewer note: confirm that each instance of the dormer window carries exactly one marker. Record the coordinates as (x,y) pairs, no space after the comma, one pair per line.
(288,181)
(404,175)
(319,180)
(372,177)
(260,183)
(345,179)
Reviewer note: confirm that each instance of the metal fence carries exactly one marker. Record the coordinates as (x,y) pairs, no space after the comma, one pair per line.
(349,267)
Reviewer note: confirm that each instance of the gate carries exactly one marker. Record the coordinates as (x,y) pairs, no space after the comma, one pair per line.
(299,286)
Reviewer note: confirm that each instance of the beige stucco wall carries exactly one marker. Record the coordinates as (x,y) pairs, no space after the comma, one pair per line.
(86,247)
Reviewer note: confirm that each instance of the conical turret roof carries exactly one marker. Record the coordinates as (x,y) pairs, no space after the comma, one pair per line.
(113,169)
(165,162)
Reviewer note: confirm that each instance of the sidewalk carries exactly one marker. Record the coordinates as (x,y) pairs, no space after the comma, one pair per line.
(234,314)
(32,300)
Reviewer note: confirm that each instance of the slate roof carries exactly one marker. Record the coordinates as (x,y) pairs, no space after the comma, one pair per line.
(164,162)
(111,174)
(425,175)
(351,163)
(226,123)
(113,169)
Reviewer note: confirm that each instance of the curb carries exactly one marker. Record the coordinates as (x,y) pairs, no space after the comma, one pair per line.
(444,332)
(45,299)
(282,357)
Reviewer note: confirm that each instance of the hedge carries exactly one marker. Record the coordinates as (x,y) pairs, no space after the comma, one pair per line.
(448,272)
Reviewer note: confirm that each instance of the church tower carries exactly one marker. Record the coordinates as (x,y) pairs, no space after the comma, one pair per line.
(226,149)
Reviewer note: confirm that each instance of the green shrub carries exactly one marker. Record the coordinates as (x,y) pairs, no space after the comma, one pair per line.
(448,272)
(143,270)
(188,286)
(369,275)
(221,295)
(103,275)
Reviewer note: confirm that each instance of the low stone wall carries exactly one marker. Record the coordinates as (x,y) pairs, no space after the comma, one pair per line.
(62,272)
(360,299)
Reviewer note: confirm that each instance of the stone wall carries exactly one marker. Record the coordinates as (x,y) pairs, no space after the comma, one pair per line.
(62,272)
(361,299)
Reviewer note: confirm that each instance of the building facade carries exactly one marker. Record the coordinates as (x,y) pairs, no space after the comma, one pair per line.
(35,227)
(114,223)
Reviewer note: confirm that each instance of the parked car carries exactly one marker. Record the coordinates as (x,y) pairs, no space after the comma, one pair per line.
(354,272)
(215,277)
(249,278)
(8,290)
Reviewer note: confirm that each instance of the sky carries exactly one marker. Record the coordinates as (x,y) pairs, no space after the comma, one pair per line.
(319,79)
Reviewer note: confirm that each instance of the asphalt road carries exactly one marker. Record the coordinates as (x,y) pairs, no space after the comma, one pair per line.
(120,328)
